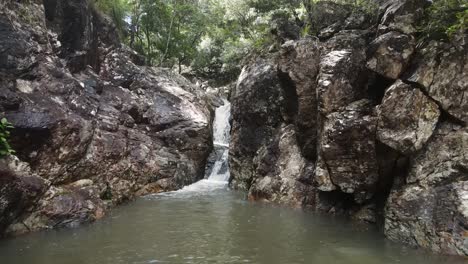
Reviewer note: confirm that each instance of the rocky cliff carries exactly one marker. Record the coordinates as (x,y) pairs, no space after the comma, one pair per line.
(363,121)
(93,125)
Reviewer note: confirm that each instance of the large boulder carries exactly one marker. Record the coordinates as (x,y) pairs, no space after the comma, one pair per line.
(431,211)
(258,109)
(340,80)
(347,147)
(283,175)
(442,70)
(407,118)
(299,66)
(390,54)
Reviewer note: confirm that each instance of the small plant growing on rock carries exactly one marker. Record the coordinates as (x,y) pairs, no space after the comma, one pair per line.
(5,148)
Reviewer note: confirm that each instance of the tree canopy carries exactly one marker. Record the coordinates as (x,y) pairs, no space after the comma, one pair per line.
(212,37)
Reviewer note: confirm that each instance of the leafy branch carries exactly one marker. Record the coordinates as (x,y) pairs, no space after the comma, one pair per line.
(5,148)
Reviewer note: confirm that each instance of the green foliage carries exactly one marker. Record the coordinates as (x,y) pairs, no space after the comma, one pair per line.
(444,18)
(240,28)
(117,10)
(167,32)
(211,38)
(5,128)
(366,6)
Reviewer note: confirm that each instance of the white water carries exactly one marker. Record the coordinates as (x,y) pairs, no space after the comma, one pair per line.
(221,137)
(221,126)
(219,176)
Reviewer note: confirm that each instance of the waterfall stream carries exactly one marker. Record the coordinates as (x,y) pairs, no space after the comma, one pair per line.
(219,176)
(221,137)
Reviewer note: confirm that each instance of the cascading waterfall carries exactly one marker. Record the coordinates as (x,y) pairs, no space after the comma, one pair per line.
(219,175)
(221,137)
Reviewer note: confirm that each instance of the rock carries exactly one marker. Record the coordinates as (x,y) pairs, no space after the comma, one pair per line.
(299,63)
(442,70)
(340,81)
(281,174)
(257,110)
(62,207)
(390,53)
(354,40)
(81,183)
(285,30)
(444,159)
(90,119)
(366,214)
(328,13)
(431,211)
(358,120)
(322,177)
(18,190)
(217,154)
(401,15)
(433,218)
(347,147)
(407,118)
(18,58)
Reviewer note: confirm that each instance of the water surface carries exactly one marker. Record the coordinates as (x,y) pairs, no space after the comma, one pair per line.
(207,223)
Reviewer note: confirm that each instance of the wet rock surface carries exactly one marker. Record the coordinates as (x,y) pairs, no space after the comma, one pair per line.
(363,123)
(90,119)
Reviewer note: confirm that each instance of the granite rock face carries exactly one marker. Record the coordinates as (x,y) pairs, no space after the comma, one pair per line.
(258,110)
(390,54)
(348,148)
(19,190)
(361,121)
(441,69)
(90,119)
(431,210)
(284,174)
(299,67)
(407,118)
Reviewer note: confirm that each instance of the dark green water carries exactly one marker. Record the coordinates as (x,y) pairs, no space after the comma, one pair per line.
(212,225)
